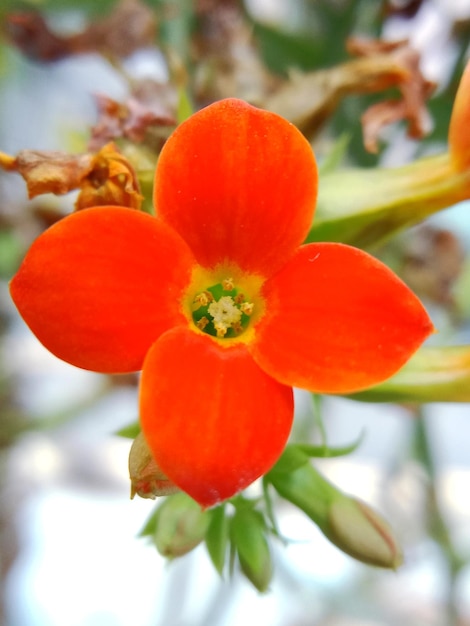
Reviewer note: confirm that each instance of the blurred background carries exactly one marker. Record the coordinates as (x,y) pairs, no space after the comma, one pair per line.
(69,552)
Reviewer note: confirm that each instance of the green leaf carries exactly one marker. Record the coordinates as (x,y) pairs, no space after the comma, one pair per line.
(282,51)
(130,431)
(297,454)
(217,537)
(327,452)
(148,528)
(433,374)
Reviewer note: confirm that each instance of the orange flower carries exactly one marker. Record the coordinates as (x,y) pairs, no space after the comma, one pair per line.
(216,300)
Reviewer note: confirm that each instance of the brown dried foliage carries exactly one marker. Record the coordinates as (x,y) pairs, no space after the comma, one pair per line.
(309,99)
(130,26)
(103,178)
(131,120)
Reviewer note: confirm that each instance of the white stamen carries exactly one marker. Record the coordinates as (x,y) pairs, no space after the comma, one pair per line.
(224,312)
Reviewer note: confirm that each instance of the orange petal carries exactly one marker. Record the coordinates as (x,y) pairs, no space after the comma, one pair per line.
(212,418)
(337,320)
(100,286)
(239,184)
(459,129)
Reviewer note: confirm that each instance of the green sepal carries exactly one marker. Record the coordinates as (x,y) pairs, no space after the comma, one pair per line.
(150,525)
(217,537)
(297,454)
(248,535)
(327,452)
(130,431)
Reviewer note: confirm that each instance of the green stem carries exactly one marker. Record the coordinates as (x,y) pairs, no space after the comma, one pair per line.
(437,525)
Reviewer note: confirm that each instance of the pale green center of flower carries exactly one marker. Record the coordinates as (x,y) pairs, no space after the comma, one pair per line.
(221,310)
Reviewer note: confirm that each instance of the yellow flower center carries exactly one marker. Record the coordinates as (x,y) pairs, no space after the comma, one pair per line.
(223,309)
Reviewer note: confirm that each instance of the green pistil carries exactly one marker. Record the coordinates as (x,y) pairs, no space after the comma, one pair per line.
(221,310)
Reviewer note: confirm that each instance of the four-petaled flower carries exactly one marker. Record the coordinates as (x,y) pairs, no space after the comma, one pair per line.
(217,301)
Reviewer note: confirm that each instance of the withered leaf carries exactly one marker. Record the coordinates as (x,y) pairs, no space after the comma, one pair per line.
(432,261)
(414,88)
(131,120)
(309,99)
(130,26)
(105,177)
(111,180)
(49,171)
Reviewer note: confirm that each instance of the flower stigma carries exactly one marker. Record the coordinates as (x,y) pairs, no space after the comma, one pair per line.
(221,310)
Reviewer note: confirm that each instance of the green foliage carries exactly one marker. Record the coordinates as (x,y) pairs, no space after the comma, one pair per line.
(358,206)
(248,535)
(283,52)
(433,374)
(130,431)
(364,207)
(217,537)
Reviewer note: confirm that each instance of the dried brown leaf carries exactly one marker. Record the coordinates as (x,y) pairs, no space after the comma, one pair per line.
(414,88)
(111,180)
(49,171)
(377,117)
(130,26)
(433,260)
(103,178)
(309,99)
(130,120)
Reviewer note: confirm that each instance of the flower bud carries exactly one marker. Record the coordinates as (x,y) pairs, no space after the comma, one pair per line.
(350,524)
(362,533)
(181,525)
(147,479)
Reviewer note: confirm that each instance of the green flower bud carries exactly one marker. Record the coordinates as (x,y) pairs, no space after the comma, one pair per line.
(181,525)
(248,534)
(362,533)
(147,479)
(350,524)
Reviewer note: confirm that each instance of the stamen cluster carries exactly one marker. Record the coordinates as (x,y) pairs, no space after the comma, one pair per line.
(222,311)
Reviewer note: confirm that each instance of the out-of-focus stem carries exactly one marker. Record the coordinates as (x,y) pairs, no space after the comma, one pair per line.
(437,525)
